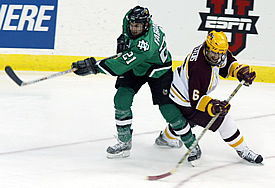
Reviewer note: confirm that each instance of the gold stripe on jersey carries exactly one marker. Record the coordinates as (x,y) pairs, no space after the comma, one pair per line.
(237,143)
(201,106)
(212,79)
(232,68)
(177,95)
(186,66)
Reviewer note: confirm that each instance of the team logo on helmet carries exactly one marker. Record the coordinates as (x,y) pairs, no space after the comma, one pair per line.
(217,42)
(230,17)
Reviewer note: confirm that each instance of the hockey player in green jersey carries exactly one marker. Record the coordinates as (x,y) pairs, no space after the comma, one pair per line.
(145,59)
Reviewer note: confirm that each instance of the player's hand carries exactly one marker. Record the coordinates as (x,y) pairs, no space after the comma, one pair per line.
(245,72)
(215,106)
(85,67)
(121,46)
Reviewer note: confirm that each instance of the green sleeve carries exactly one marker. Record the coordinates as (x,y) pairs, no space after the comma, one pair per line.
(145,54)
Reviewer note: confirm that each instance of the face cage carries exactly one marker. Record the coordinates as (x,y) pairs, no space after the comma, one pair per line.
(145,29)
(220,61)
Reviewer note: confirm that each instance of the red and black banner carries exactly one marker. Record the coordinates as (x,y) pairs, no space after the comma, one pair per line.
(231,16)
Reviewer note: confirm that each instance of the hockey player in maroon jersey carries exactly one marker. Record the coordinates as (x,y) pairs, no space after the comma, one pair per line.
(196,78)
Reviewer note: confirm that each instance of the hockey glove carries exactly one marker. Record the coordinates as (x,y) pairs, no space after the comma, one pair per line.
(215,106)
(85,67)
(245,72)
(121,46)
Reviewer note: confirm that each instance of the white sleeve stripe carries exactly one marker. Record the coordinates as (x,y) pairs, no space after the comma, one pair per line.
(159,69)
(106,72)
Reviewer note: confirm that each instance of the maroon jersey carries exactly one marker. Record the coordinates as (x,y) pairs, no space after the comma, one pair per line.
(196,78)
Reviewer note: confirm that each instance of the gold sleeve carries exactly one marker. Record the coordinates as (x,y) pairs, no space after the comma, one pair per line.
(233,68)
(201,106)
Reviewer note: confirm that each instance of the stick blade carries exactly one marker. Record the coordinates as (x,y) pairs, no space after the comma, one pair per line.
(13,76)
(152,178)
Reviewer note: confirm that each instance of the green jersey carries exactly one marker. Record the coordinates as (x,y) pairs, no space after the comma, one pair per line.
(146,56)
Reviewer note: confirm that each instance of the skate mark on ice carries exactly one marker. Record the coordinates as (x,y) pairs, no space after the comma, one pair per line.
(104,139)
(67,144)
(182,183)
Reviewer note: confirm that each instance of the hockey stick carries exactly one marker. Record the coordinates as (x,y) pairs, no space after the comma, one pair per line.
(19,82)
(157,177)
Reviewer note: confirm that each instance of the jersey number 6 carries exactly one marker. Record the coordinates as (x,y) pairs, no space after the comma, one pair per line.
(196,94)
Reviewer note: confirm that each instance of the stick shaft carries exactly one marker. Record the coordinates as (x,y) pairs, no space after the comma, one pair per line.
(18,81)
(210,123)
(48,77)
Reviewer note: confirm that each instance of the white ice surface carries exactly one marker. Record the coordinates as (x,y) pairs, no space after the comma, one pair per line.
(54,134)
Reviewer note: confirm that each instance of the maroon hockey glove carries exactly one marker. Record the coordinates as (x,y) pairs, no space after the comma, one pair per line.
(245,72)
(215,106)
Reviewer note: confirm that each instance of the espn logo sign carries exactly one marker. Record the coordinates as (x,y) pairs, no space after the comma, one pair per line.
(28,24)
(224,23)
(230,17)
